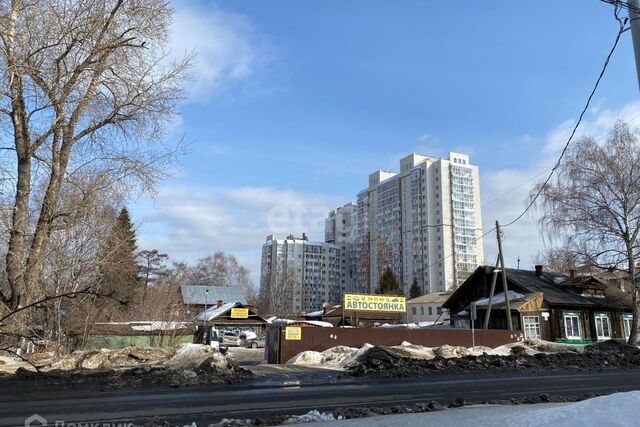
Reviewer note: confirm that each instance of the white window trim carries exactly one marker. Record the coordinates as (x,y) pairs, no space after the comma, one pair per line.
(566,332)
(626,331)
(536,324)
(608,318)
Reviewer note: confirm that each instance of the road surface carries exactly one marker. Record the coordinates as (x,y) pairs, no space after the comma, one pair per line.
(266,396)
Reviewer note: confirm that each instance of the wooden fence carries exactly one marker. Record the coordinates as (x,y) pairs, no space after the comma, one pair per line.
(279,349)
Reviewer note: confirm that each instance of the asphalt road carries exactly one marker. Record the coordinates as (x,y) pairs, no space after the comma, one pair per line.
(262,397)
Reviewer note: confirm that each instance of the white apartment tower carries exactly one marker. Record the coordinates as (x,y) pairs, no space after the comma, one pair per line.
(424,222)
(300,275)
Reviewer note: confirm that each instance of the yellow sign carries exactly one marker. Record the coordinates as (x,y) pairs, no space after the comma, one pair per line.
(387,303)
(293,333)
(239,313)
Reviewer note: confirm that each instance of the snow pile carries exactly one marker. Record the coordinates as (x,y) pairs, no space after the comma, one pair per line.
(182,357)
(308,358)
(313,416)
(100,359)
(340,357)
(450,351)
(193,355)
(552,347)
(351,359)
(406,349)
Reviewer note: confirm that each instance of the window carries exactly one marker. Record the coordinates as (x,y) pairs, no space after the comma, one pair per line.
(531,326)
(603,326)
(413,311)
(626,325)
(572,326)
(422,310)
(439,310)
(430,311)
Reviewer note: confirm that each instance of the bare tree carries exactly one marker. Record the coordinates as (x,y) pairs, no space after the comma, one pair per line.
(86,89)
(276,294)
(558,259)
(595,201)
(220,269)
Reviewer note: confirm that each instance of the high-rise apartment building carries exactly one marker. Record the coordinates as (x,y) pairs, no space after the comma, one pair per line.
(300,275)
(423,222)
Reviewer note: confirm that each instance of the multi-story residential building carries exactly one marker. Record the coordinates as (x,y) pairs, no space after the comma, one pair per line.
(300,275)
(339,230)
(423,222)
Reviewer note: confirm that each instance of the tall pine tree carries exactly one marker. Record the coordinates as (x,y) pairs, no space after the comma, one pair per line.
(389,284)
(415,290)
(119,269)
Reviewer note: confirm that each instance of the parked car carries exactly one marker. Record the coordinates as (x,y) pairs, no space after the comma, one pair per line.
(244,336)
(230,338)
(257,342)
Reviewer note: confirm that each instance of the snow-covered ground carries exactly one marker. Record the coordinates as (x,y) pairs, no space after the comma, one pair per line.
(619,409)
(342,357)
(9,365)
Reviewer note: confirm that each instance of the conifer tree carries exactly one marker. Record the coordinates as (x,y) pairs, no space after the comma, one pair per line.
(415,290)
(389,284)
(119,270)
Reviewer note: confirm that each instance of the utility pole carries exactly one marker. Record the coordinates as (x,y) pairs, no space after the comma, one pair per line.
(634,22)
(493,289)
(504,277)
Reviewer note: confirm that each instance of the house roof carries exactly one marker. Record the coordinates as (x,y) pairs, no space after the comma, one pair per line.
(516,300)
(555,287)
(548,284)
(214,312)
(433,297)
(210,295)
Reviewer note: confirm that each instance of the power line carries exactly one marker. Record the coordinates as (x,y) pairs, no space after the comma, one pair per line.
(622,23)
(511,190)
(622,5)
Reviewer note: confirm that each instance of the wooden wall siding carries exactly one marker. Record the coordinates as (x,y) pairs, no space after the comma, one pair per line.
(535,304)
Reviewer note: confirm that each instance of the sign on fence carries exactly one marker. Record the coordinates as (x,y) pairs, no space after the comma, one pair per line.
(387,303)
(293,333)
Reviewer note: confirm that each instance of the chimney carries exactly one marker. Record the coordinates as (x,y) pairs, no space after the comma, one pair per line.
(572,274)
(304,236)
(220,302)
(538,270)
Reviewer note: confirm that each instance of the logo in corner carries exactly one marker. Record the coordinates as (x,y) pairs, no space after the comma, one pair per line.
(35,420)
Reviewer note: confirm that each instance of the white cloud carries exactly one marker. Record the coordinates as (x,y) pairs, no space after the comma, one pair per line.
(505,191)
(224,42)
(190,223)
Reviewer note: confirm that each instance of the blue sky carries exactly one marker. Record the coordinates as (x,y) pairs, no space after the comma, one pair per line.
(294,103)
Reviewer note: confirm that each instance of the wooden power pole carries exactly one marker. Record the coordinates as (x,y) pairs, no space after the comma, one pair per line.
(505,288)
(494,276)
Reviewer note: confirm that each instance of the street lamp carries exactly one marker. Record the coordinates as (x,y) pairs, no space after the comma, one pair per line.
(206,320)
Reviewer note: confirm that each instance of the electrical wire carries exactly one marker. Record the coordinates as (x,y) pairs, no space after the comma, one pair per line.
(622,23)
(622,5)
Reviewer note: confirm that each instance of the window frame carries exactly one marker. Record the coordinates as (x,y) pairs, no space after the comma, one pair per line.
(601,317)
(627,320)
(536,326)
(572,315)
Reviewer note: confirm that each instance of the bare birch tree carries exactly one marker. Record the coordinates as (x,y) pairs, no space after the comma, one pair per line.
(86,89)
(595,202)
